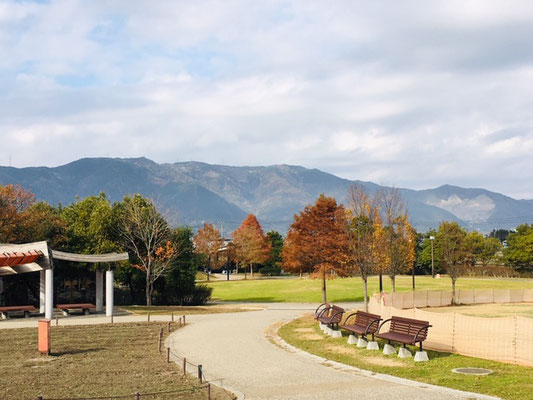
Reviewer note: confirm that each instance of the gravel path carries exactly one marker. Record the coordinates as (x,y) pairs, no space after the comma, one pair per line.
(241,348)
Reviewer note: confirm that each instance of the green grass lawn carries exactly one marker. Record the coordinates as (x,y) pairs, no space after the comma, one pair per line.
(507,381)
(343,289)
(92,361)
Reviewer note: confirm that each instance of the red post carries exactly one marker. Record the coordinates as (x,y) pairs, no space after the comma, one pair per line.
(44,336)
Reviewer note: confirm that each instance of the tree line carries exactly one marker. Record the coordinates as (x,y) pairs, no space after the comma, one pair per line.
(163,261)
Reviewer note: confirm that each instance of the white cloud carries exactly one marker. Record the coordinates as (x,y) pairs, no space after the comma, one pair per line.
(415,95)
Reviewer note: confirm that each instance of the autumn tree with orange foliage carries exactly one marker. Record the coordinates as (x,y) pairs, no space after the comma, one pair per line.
(251,244)
(399,235)
(14,205)
(317,242)
(207,243)
(367,245)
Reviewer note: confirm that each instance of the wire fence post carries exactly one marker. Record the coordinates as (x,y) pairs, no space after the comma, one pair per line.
(184,366)
(168,354)
(172,317)
(184,320)
(168,326)
(148,316)
(160,339)
(200,373)
(57,321)
(208,390)
(138,396)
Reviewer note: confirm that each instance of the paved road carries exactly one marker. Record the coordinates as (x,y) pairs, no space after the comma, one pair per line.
(237,347)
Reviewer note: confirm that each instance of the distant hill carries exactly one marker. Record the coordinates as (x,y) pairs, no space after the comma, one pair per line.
(193,192)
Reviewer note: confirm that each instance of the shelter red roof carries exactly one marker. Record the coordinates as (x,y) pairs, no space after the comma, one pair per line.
(19,257)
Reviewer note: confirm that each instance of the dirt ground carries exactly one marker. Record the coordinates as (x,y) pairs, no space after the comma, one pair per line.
(489,310)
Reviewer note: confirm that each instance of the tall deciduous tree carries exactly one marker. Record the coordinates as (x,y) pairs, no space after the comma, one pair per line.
(145,233)
(207,243)
(519,251)
(251,244)
(274,263)
(317,242)
(14,205)
(399,235)
(367,244)
(491,248)
(453,251)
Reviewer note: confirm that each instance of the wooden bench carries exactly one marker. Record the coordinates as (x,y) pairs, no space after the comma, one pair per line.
(405,331)
(363,324)
(332,316)
(5,311)
(84,307)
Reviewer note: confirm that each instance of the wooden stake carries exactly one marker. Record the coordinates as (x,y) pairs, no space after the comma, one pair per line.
(184,320)
(168,354)
(200,373)
(148,316)
(172,317)
(208,390)
(168,326)
(57,321)
(184,366)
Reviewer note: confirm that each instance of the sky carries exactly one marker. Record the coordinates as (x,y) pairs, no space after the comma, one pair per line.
(413,94)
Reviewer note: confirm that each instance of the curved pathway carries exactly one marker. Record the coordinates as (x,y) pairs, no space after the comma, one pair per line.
(237,347)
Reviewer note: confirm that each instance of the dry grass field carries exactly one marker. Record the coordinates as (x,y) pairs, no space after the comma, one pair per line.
(93,361)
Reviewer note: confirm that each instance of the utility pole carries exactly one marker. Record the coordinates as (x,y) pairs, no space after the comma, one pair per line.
(432,238)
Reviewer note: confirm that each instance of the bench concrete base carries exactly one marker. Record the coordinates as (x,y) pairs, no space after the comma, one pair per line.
(388,349)
(404,352)
(322,326)
(352,339)
(327,330)
(336,334)
(362,343)
(372,346)
(421,356)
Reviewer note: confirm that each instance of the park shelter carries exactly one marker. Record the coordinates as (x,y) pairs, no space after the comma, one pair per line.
(37,256)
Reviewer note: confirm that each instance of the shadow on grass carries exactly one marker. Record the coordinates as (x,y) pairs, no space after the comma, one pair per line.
(76,351)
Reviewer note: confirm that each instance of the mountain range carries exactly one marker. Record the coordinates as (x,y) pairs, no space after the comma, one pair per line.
(190,193)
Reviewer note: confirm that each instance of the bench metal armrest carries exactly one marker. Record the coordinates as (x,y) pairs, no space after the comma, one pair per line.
(383,323)
(420,330)
(370,324)
(318,310)
(337,313)
(322,312)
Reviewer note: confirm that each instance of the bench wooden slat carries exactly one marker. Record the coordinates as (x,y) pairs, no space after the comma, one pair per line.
(363,324)
(405,331)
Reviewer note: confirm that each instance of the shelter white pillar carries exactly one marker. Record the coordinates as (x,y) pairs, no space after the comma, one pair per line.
(99,290)
(49,294)
(109,293)
(42,296)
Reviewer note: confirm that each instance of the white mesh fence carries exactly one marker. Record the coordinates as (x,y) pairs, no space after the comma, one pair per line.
(508,339)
